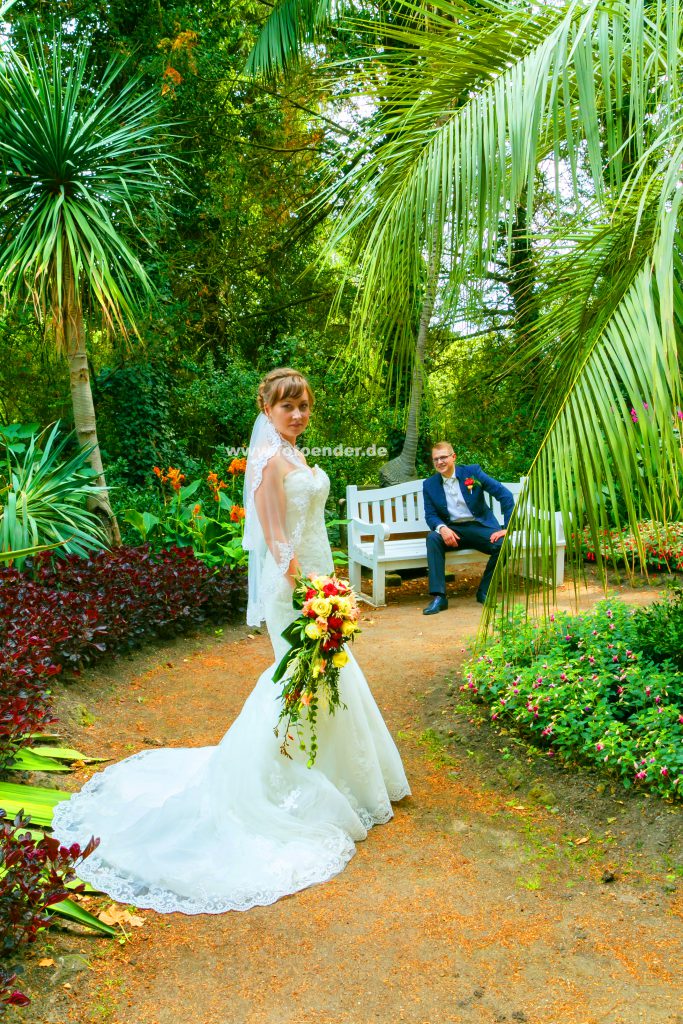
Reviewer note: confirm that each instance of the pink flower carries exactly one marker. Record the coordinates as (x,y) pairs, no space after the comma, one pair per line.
(599,746)
(664,771)
(634,415)
(641,775)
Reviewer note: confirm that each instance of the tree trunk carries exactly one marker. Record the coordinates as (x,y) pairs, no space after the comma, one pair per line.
(403,467)
(82,400)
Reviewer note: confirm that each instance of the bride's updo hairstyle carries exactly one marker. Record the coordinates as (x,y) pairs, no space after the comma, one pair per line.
(280,384)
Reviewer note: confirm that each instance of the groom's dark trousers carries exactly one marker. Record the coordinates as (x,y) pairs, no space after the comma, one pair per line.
(475,533)
(472,535)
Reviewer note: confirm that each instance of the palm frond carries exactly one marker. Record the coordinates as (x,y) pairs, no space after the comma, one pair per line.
(471,149)
(613,454)
(289,29)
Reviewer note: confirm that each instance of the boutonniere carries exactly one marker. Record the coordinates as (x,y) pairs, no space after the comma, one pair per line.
(469,482)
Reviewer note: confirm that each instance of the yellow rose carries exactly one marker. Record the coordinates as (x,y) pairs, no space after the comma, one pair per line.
(339,659)
(313,631)
(349,628)
(317,669)
(321,606)
(344,605)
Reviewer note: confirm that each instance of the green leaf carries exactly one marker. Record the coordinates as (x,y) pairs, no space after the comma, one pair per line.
(73,912)
(190,489)
(27,760)
(35,801)
(65,754)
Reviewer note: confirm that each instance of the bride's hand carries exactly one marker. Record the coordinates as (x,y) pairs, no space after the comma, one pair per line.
(293,571)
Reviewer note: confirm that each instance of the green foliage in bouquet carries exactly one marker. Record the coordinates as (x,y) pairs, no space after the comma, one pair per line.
(311,666)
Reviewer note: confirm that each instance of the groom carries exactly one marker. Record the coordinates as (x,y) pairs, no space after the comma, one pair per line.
(458,516)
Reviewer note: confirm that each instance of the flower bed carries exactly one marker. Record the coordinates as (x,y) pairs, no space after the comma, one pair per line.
(582,686)
(663,548)
(70,612)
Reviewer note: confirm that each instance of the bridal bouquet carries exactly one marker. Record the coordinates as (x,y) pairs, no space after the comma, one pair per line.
(310,669)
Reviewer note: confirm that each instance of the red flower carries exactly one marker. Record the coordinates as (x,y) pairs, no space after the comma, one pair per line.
(330,590)
(334,622)
(311,592)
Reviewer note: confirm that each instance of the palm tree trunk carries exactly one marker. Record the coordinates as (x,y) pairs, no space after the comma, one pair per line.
(85,421)
(403,467)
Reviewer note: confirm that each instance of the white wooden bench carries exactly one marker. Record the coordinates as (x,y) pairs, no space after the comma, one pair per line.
(387,531)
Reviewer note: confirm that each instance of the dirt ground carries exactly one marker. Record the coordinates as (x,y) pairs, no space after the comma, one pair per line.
(507,888)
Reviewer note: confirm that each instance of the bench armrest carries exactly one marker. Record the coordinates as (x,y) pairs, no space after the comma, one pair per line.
(378,530)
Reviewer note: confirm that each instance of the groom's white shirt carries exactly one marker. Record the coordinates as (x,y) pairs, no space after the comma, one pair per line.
(458,509)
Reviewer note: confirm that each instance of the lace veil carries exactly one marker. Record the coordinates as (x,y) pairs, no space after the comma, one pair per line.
(265,523)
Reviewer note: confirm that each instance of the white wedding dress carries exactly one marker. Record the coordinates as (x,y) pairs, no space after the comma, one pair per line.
(205,830)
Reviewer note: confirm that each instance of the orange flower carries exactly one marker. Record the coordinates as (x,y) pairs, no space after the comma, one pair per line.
(237,513)
(196,510)
(237,466)
(175,478)
(215,485)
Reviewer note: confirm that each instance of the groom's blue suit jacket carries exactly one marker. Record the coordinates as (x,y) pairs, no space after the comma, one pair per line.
(436,509)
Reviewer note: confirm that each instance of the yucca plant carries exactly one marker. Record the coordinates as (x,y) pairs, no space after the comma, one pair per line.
(43,495)
(80,157)
(473,102)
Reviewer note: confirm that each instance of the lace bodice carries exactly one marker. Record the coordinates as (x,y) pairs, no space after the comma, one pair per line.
(306,492)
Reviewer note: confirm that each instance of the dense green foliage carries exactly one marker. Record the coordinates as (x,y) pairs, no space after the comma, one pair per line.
(660,630)
(232,261)
(595,687)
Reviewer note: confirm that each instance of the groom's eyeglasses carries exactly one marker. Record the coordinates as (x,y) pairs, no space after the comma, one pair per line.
(442,458)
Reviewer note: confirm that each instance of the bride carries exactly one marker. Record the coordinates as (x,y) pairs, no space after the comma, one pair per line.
(204,830)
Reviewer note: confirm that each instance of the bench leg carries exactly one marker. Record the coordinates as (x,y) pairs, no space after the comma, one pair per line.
(559,567)
(354,576)
(378,586)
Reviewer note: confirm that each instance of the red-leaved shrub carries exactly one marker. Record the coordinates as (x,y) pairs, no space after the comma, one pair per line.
(65,613)
(35,873)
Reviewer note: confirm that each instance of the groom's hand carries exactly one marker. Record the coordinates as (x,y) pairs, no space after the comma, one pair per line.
(450,537)
(497,535)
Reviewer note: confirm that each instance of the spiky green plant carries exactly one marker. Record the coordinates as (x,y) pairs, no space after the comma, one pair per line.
(80,158)
(43,493)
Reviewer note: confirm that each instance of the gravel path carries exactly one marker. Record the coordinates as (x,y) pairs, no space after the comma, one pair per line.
(472,905)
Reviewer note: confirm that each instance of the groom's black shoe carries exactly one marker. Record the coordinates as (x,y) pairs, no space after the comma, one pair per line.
(481,598)
(438,604)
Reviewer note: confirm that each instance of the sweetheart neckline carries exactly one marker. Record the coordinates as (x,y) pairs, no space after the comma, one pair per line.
(303,469)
